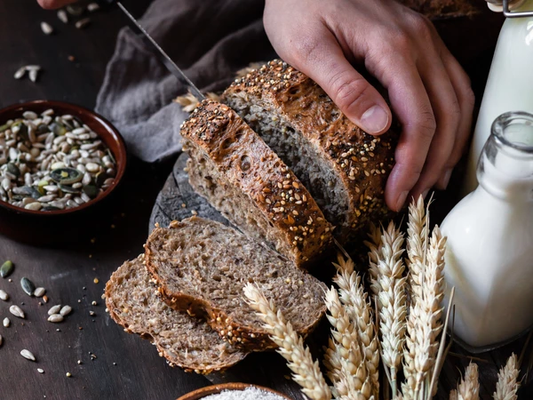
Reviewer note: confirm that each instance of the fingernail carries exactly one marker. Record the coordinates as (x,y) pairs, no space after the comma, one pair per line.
(401,200)
(374,120)
(446,178)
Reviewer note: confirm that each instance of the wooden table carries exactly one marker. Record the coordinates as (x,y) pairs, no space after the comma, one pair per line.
(105,363)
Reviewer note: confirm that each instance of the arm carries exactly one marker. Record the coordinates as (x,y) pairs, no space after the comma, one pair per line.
(429,92)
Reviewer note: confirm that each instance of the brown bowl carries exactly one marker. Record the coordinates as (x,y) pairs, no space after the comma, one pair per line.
(19,222)
(214,389)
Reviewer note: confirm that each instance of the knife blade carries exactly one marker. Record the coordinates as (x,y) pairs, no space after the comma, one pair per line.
(165,58)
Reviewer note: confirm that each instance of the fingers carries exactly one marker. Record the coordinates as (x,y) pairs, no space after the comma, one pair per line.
(326,64)
(53,4)
(412,106)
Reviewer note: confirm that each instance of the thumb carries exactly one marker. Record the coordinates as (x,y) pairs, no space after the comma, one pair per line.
(53,4)
(349,90)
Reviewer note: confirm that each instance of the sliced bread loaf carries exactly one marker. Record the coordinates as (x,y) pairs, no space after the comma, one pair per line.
(202,266)
(344,168)
(184,341)
(233,168)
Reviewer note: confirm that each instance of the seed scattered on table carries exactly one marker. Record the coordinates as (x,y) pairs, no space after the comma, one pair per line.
(47,28)
(28,355)
(6,269)
(92,313)
(6,322)
(96,280)
(27,286)
(45,299)
(68,374)
(20,73)
(55,318)
(40,370)
(55,309)
(82,23)
(3,295)
(16,311)
(66,310)
(94,303)
(63,16)
(92,7)
(39,292)
(75,10)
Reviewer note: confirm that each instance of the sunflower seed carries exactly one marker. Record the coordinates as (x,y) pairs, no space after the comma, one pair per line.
(63,16)
(92,7)
(16,311)
(55,309)
(3,295)
(55,318)
(33,75)
(20,73)
(82,23)
(66,310)
(6,269)
(28,355)
(40,370)
(75,10)
(47,28)
(33,206)
(6,322)
(39,292)
(27,286)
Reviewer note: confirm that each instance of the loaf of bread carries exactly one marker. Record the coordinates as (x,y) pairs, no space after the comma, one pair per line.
(188,342)
(233,168)
(344,168)
(202,266)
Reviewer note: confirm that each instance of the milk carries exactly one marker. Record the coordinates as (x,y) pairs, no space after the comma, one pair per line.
(509,85)
(489,257)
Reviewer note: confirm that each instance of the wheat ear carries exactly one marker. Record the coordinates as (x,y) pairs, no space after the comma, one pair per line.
(389,286)
(351,379)
(454,395)
(468,388)
(306,372)
(424,323)
(508,384)
(417,244)
(354,299)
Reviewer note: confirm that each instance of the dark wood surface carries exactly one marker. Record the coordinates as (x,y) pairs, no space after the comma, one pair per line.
(125,367)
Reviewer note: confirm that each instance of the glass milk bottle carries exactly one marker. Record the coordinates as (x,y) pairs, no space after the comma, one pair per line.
(510,82)
(489,257)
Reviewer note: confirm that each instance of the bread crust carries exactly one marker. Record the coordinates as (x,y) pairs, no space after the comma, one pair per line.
(362,161)
(246,162)
(246,338)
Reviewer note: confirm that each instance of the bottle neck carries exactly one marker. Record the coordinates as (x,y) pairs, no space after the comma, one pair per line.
(505,168)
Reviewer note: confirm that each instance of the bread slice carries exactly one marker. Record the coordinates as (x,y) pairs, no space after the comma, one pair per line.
(233,168)
(344,168)
(185,341)
(202,266)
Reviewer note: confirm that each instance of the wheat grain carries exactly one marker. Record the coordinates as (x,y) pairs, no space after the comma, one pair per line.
(354,299)
(306,372)
(508,384)
(468,389)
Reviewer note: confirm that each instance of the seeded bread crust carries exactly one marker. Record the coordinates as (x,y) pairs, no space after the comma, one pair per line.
(242,163)
(202,266)
(185,341)
(360,161)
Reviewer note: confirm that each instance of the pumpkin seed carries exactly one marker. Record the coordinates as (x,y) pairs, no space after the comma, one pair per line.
(13,169)
(68,189)
(28,355)
(3,295)
(6,269)
(58,129)
(66,176)
(55,318)
(16,311)
(27,286)
(91,191)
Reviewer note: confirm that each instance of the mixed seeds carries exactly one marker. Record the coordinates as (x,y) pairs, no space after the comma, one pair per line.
(32,70)
(50,162)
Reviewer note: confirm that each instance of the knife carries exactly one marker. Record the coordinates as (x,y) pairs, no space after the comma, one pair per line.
(167,61)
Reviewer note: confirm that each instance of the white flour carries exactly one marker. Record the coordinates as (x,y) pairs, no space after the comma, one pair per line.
(250,393)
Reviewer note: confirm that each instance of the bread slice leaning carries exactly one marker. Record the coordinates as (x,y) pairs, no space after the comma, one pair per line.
(184,341)
(202,266)
(233,168)
(344,168)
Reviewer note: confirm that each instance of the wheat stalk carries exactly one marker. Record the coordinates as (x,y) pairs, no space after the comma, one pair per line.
(468,388)
(354,299)
(305,372)
(417,233)
(508,384)
(389,288)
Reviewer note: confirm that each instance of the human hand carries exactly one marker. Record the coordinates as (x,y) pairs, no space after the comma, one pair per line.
(428,90)
(53,4)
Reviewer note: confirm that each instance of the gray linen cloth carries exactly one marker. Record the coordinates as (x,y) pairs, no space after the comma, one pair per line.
(208,39)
